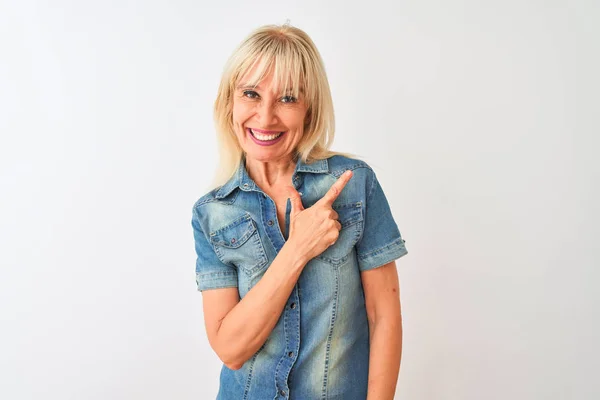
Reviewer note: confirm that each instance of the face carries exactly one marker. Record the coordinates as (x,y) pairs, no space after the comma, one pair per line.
(268,123)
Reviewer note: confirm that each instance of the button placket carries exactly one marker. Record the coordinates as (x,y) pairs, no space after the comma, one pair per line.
(291,322)
(268,217)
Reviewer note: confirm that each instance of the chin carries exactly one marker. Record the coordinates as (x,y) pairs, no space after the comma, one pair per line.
(263,156)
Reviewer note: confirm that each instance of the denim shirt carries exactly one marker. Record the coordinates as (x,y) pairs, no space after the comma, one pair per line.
(319,348)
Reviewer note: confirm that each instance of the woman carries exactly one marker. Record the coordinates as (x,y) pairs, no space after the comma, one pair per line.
(296,245)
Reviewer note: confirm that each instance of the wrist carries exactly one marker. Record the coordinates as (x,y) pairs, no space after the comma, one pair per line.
(295,257)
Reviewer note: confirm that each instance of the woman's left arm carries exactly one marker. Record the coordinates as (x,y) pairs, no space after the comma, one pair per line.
(382,297)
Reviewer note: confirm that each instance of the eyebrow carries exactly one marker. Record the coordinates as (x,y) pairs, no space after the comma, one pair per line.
(248,86)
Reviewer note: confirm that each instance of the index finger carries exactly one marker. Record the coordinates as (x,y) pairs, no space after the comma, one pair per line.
(336,188)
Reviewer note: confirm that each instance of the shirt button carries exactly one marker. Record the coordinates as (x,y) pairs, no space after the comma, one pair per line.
(270,222)
(282,392)
(290,354)
(293,305)
(300,193)
(246,185)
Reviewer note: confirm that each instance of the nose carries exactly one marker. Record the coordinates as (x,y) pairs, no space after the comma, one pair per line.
(266,114)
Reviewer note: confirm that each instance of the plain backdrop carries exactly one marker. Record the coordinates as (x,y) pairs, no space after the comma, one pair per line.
(479,117)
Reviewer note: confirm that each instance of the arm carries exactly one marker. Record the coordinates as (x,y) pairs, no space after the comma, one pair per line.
(382,296)
(236,329)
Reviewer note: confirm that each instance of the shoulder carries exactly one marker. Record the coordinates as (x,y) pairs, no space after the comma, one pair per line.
(363,175)
(364,179)
(206,198)
(338,164)
(209,204)
(217,207)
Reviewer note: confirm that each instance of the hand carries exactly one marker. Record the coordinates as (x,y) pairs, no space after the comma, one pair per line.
(314,229)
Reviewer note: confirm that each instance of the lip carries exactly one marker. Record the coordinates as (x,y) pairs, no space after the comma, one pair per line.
(264,143)
(265,132)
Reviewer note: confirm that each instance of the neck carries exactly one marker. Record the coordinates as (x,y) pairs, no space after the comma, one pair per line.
(267,174)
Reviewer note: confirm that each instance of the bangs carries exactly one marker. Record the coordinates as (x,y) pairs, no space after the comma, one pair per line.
(282,59)
(288,56)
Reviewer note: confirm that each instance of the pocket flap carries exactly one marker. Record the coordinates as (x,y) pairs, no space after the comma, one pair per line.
(349,213)
(235,234)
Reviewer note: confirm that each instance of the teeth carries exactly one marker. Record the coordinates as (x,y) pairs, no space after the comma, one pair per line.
(260,136)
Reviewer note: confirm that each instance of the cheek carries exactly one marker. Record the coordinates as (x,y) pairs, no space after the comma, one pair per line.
(295,120)
(240,112)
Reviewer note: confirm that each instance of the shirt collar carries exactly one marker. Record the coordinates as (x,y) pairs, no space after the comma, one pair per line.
(242,180)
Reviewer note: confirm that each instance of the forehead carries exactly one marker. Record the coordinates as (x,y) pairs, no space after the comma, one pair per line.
(269,76)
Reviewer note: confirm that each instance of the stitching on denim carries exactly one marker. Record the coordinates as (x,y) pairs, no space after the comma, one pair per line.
(220,239)
(330,334)
(215,279)
(250,370)
(282,359)
(258,251)
(297,330)
(210,198)
(238,221)
(373,181)
(365,204)
(384,258)
(218,279)
(341,169)
(349,217)
(259,255)
(216,274)
(273,239)
(297,348)
(380,249)
(253,239)
(337,262)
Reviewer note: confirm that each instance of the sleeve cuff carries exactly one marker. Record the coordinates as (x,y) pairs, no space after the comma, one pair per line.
(382,255)
(216,280)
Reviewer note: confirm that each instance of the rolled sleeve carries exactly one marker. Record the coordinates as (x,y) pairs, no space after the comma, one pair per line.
(211,273)
(381,241)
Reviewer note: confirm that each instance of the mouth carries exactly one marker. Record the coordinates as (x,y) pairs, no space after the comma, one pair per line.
(264,137)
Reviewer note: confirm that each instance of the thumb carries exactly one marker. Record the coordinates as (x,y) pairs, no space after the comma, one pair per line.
(295,201)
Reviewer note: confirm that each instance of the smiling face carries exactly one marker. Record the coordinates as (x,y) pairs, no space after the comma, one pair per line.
(268,123)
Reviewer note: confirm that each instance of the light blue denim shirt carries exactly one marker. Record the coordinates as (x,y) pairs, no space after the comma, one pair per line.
(319,348)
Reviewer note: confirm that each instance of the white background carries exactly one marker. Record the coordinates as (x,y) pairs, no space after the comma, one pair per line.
(479,117)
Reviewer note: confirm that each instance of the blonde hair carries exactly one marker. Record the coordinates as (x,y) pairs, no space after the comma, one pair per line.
(297,65)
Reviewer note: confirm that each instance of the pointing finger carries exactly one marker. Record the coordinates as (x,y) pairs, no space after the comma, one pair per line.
(336,188)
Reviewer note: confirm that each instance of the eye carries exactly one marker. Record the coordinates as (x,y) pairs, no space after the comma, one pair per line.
(289,99)
(251,94)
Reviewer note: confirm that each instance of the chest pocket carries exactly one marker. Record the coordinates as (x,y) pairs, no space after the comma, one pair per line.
(350,216)
(239,244)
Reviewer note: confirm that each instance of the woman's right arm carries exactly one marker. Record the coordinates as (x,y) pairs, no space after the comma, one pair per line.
(237,328)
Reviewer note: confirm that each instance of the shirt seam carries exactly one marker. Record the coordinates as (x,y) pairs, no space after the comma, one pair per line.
(380,249)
